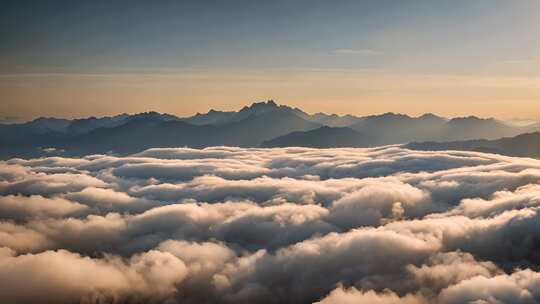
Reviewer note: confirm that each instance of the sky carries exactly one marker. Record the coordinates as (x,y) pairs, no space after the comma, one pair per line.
(452,58)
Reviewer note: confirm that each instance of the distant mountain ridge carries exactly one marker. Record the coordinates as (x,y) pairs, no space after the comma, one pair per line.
(125,134)
(323,137)
(260,124)
(523,145)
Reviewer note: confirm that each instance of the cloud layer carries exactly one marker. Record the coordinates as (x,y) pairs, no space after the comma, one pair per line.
(292,225)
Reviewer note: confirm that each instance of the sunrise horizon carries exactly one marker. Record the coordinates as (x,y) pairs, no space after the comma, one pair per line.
(270,152)
(359,57)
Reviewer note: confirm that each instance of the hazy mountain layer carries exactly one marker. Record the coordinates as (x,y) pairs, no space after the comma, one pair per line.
(262,123)
(323,137)
(524,145)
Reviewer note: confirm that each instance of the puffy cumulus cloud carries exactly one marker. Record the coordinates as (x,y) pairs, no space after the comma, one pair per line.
(12,172)
(355,296)
(188,169)
(20,208)
(449,268)
(524,197)
(506,239)
(242,224)
(49,184)
(274,226)
(450,186)
(188,153)
(22,239)
(262,189)
(377,200)
(66,277)
(291,225)
(204,261)
(102,200)
(522,286)
(368,257)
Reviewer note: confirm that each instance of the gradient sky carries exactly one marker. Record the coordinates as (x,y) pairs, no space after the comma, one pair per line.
(81,58)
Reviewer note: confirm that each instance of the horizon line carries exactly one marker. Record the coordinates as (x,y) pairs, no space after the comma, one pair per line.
(8,120)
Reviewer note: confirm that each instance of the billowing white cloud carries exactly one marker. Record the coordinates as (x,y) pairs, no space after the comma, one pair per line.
(20,208)
(291,225)
(355,296)
(66,277)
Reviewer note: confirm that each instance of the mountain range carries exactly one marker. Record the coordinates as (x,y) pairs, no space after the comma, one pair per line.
(523,145)
(265,124)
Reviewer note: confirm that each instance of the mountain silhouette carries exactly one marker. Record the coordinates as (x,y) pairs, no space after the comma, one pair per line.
(213,117)
(523,145)
(125,135)
(323,137)
(259,124)
(393,128)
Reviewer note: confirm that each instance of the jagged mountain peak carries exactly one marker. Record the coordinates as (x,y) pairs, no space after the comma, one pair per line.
(154,115)
(387,117)
(471,118)
(263,107)
(431,116)
(269,104)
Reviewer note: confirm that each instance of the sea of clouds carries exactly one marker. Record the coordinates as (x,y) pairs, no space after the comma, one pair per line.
(292,225)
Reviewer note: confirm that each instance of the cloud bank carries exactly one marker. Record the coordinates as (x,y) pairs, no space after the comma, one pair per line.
(292,225)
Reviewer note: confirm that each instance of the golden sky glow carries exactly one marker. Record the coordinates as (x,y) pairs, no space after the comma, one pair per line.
(361,57)
(333,91)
